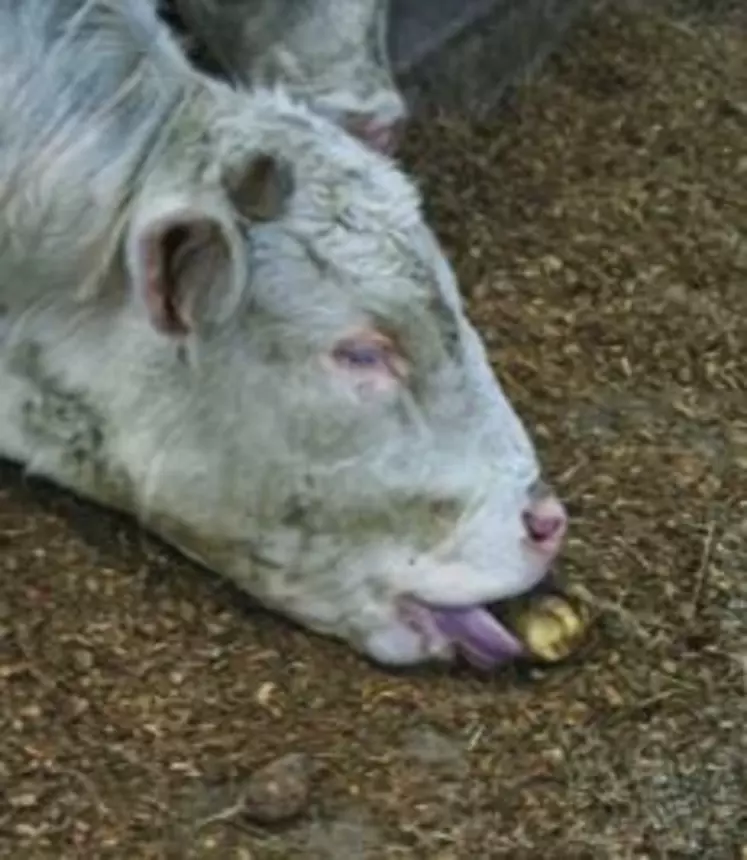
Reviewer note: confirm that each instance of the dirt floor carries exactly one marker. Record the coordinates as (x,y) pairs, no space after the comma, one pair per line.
(600,229)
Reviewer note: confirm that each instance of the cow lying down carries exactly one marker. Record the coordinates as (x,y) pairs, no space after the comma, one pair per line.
(224,314)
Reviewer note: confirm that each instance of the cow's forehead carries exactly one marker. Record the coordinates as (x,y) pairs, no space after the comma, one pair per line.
(392,274)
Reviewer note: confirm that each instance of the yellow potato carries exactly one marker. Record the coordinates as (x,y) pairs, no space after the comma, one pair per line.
(552,627)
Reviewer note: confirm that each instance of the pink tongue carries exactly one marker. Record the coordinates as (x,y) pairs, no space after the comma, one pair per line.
(481,637)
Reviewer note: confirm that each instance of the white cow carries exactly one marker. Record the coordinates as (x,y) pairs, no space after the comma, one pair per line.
(224,314)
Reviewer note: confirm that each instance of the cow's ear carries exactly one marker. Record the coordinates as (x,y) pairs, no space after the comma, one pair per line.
(187,255)
(181,263)
(261,191)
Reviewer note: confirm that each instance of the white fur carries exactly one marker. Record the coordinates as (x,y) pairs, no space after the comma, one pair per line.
(237,444)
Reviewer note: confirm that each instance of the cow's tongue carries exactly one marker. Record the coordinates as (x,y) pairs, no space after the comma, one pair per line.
(482,639)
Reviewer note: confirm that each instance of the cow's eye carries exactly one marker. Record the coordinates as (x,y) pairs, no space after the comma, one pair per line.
(362,355)
(370,353)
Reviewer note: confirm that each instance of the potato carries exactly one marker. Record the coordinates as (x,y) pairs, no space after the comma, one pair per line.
(552,626)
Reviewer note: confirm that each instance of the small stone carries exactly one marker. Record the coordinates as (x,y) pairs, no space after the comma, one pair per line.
(279,791)
(264,693)
(31,712)
(555,755)
(23,801)
(83,659)
(78,706)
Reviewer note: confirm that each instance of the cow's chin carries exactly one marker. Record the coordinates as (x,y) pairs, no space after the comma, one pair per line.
(424,634)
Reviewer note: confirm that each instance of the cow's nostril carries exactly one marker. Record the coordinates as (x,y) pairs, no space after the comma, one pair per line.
(542,528)
(545,520)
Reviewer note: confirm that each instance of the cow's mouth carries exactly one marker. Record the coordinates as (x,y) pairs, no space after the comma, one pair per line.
(472,630)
